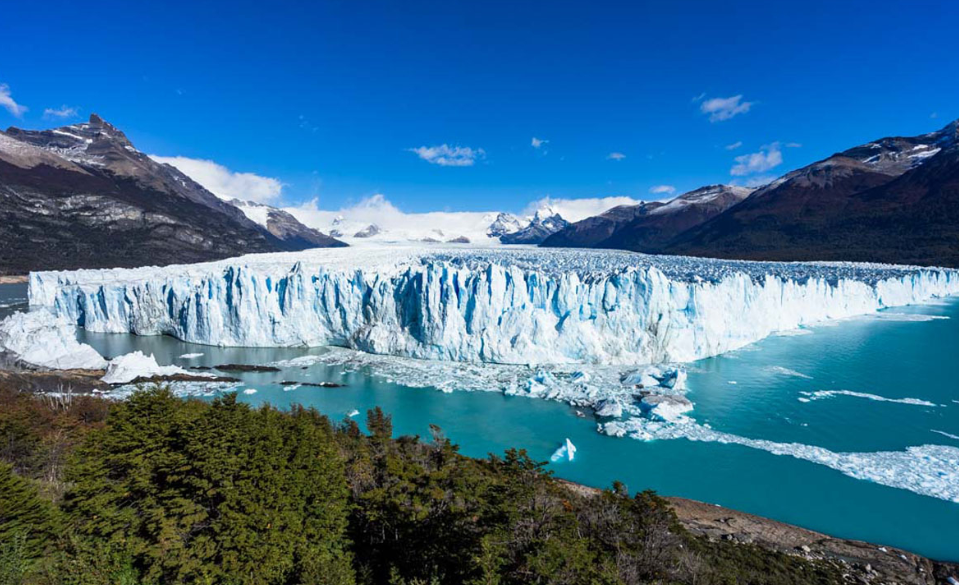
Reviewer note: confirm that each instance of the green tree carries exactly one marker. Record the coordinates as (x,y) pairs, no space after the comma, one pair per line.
(215,492)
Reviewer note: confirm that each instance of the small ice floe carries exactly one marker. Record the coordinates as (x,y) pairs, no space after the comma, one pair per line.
(906,317)
(787,372)
(353,413)
(952,581)
(823,394)
(190,356)
(609,407)
(732,382)
(291,387)
(128,367)
(250,391)
(945,434)
(567,451)
(667,408)
(794,332)
(669,377)
(580,414)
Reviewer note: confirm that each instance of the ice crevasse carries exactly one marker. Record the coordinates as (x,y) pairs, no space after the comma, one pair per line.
(507,306)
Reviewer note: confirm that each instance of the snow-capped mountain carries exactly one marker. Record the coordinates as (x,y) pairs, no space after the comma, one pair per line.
(503,225)
(890,200)
(544,223)
(376,221)
(84,196)
(647,226)
(285,227)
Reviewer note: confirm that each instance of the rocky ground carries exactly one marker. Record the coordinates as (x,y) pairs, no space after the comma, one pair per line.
(861,562)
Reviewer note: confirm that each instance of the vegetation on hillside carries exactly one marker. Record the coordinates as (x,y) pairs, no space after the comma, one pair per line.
(161,490)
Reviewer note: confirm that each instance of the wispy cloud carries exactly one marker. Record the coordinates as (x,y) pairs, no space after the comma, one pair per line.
(579,209)
(400,225)
(6,100)
(61,112)
(793,145)
(662,190)
(223,182)
(449,156)
(720,109)
(615,156)
(934,115)
(699,97)
(734,145)
(768,157)
(538,142)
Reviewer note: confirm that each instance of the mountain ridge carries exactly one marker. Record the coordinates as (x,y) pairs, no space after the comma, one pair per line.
(82,196)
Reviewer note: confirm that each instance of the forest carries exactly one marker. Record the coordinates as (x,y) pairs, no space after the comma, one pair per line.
(158,489)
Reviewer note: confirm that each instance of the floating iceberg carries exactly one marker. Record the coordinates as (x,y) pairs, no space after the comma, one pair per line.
(508,306)
(42,340)
(128,367)
(566,451)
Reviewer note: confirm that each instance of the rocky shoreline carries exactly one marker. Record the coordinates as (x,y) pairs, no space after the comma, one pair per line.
(861,562)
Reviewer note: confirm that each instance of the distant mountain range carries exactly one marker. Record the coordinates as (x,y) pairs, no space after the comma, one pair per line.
(84,196)
(892,200)
(467,227)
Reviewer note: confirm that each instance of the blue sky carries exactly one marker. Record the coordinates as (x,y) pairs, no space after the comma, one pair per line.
(332,100)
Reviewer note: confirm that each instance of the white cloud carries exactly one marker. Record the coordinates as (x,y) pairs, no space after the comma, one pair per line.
(734,145)
(398,225)
(934,115)
(793,145)
(662,190)
(579,209)
(61,112)
(699,98)
(223,182)
(767,158)
(6,100)
(615,156)
(449,156)
(720,109)
(537,142)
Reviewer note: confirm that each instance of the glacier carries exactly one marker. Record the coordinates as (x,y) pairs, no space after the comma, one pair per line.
(494,305)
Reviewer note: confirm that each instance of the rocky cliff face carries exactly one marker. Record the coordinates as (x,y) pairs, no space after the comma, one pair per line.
(82,196)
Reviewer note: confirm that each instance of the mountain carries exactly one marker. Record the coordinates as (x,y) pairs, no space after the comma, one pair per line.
(503,225)
(284,227)
(84,196)
(647,227)
(892,200)
(544,223)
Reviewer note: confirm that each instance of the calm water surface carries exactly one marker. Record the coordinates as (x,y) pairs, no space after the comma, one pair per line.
(745,393)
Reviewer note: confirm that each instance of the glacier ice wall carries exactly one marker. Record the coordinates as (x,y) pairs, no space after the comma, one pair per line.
(504,306)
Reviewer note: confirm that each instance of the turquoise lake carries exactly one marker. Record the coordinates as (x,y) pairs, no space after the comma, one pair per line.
(908,352)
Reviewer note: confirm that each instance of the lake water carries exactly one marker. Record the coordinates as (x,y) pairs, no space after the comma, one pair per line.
(760,392)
